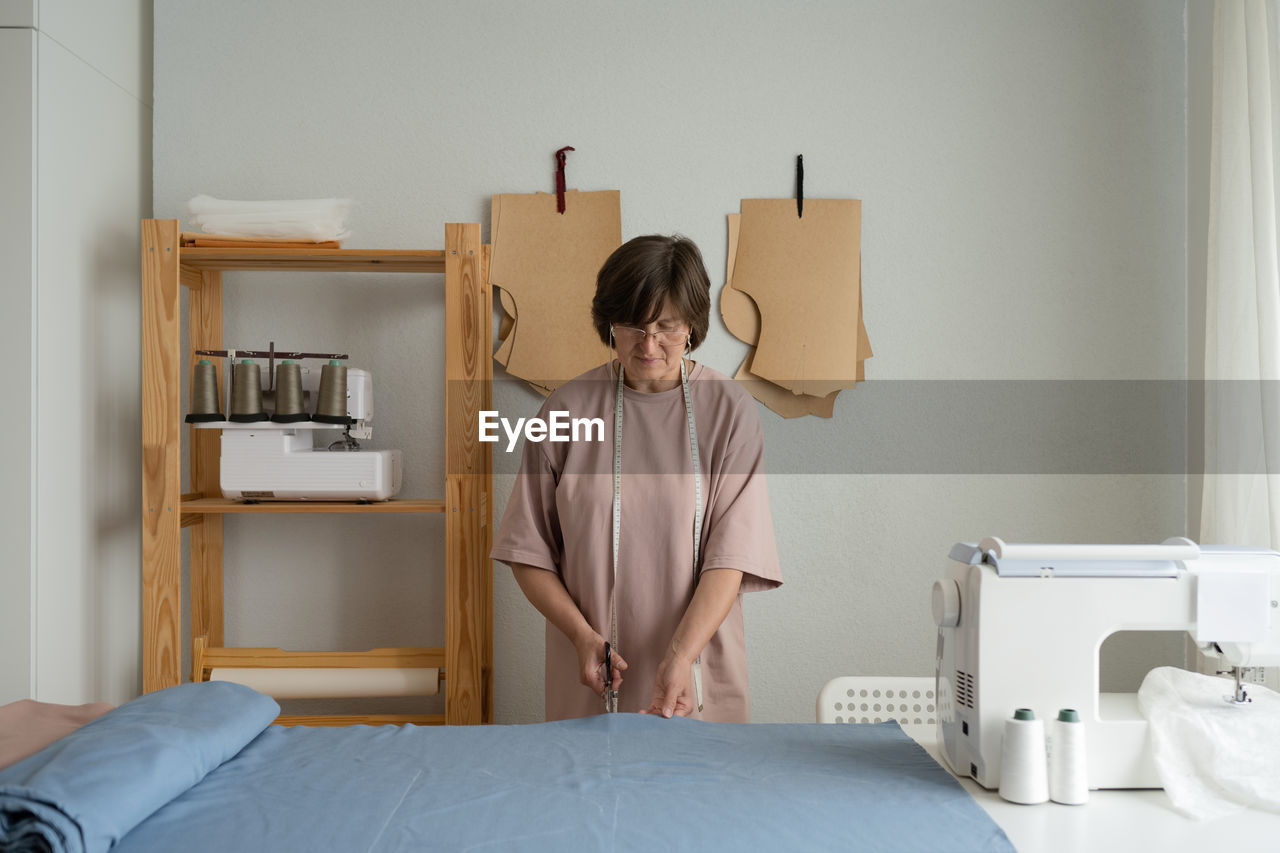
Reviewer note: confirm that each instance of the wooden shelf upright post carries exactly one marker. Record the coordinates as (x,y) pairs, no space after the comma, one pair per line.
(468,537)
(161,465)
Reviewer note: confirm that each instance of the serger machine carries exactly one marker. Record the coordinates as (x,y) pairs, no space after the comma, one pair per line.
(1020,626)
(276,458)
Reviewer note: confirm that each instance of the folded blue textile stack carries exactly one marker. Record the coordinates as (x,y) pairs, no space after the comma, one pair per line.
(83,793)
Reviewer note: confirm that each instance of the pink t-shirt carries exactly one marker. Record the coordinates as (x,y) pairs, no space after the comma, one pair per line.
(560,518)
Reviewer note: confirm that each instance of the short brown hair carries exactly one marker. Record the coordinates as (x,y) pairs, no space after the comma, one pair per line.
(642,274)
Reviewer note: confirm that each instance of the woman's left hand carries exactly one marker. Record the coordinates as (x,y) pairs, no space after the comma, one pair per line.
(673,688)
(712,599)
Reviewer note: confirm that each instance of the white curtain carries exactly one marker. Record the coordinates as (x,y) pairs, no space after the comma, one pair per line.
(1242,343)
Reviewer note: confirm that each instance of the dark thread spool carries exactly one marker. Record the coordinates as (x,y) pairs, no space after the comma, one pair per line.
(204,394)
(246,393)
(331,404)
(289,405)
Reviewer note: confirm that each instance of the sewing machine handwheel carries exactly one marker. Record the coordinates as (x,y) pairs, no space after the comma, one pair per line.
(946,603)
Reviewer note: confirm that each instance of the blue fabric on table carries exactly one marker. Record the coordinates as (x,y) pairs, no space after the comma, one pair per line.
(84,792)
(617,782)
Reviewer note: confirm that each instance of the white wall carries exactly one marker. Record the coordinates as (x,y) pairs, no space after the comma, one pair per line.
(75,575)
(1022,168)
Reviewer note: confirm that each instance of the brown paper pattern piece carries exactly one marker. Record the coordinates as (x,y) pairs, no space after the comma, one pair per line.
(803,275)
(545,264)
(742,318)
(781,400)
(505,337)
(508,324)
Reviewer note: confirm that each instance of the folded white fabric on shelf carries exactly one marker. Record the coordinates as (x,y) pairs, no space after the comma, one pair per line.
(316,219)
(1214,757)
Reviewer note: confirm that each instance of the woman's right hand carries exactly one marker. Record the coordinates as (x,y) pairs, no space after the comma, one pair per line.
(591,663)
(547,592)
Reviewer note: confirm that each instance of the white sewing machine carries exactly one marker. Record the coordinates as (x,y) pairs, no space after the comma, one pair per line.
(1020,626)
(279,462)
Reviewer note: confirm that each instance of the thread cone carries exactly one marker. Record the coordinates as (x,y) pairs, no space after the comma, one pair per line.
(246,393)
(331,406)
(204,394)
(289,406)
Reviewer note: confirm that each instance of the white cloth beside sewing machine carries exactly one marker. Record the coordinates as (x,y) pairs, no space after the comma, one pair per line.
(1214,757)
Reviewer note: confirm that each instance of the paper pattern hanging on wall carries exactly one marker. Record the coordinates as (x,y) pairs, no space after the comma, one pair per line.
(793,291)
(545,264)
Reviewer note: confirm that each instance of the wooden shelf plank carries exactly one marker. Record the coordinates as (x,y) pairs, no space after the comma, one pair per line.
(269,658)
(360,720)
(226,505)
(333,260)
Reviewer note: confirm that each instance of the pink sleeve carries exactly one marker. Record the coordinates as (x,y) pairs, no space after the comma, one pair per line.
(739,524)
(530,528)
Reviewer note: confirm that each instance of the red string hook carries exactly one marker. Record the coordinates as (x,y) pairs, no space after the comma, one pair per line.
(561,156)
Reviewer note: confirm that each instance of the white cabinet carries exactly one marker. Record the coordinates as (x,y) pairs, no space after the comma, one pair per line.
(75,179)
(17,275)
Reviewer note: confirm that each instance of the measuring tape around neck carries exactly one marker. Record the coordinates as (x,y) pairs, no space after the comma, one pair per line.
(611,695)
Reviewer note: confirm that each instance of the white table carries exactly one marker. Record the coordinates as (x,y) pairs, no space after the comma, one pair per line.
(1115,821)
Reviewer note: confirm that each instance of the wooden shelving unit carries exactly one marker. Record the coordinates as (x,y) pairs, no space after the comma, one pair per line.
(466,660)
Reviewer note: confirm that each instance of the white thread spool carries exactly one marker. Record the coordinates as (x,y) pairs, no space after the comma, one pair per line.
(1024,775)
(1068,776)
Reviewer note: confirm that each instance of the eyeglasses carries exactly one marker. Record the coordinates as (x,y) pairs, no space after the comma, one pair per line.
(630,336)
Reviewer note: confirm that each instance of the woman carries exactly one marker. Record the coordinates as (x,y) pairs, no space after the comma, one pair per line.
(667,613)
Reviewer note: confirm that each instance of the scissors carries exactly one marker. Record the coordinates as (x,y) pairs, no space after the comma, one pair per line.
(610,695)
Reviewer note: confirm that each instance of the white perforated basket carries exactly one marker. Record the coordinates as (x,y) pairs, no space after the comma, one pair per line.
(877,699)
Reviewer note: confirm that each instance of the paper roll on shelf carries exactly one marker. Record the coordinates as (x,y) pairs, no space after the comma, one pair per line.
(314,682)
